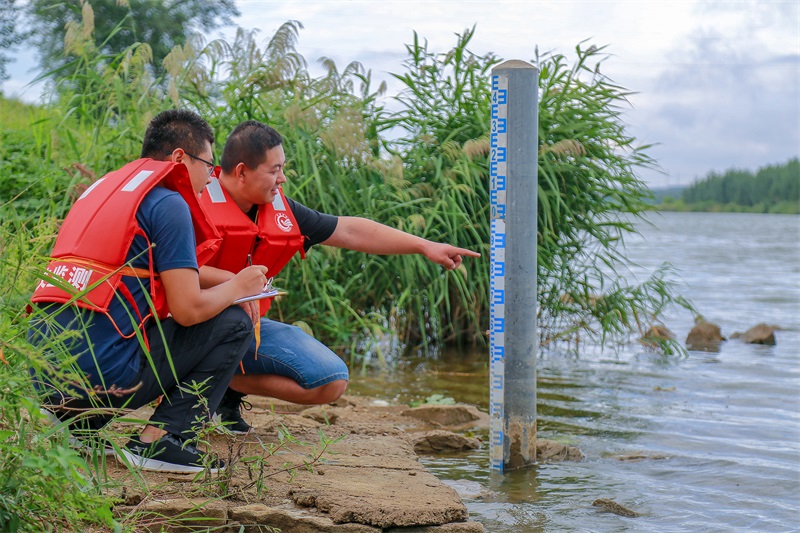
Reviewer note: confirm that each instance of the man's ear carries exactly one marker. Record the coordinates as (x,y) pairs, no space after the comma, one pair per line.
(177,155)
(239,171)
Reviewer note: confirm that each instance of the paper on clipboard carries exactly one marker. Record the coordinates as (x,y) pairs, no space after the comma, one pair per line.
(271,293)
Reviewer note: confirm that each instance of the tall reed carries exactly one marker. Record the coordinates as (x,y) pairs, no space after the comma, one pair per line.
(421,168)
(589,197)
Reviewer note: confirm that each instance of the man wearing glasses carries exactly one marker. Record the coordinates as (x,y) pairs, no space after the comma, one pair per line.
(209,165)
(124,281)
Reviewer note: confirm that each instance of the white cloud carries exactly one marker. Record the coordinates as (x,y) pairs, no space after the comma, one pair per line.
(729,96)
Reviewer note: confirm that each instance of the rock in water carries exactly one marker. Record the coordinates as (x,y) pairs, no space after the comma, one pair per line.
(443,441)
(760,334)
(613,507)
(705,337)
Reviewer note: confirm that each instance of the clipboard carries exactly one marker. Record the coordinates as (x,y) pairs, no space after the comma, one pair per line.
(271,293)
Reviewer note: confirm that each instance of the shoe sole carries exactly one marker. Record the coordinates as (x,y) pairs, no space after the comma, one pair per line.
(154,465)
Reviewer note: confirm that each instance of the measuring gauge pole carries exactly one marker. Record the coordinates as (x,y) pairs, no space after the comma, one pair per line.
(513,337)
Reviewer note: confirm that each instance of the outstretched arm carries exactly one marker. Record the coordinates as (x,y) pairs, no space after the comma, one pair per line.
(364,235)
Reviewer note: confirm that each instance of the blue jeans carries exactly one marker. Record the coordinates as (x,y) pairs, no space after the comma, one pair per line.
(288,351)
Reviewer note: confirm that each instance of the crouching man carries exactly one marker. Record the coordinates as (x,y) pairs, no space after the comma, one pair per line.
(124,286)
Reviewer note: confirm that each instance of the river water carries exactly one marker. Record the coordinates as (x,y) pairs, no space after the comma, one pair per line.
(720,431)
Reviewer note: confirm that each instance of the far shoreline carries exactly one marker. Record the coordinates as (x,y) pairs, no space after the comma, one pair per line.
(780,209)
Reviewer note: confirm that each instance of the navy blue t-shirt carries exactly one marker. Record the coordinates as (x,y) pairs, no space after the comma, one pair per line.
(106,357)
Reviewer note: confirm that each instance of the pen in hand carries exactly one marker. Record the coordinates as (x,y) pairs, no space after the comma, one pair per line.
(268,286)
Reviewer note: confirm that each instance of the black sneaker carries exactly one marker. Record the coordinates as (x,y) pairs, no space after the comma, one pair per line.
(229,412)
(83,434)
(168,454)
(89,445)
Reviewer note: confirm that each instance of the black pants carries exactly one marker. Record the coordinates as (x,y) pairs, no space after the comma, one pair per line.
(206,353)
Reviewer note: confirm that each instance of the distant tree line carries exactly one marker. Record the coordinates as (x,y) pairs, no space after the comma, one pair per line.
(772,189)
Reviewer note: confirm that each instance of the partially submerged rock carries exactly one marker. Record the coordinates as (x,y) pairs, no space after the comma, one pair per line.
(550,451)
(453,527)
(705,337)
(377,481)
(657,336)
(469,489)
(636,457)
(383,499)
(613,507)
(452,416)
(759,334)
(658,332)
(439,440)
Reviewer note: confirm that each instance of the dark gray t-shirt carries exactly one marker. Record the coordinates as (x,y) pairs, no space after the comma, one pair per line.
(316,227)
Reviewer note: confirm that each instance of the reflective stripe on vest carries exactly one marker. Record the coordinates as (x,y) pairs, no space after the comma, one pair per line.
(271,241)
(94,240)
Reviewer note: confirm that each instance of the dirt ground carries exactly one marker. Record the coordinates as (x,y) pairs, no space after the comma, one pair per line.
(347,467)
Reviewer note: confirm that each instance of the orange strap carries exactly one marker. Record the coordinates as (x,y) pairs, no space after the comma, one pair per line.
(257,328)
(124,270)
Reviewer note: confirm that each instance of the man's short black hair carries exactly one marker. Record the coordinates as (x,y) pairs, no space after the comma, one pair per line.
(248,143)
(176,128)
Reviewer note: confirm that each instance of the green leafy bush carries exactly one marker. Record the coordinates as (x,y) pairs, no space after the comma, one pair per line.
(44,484)
(28,177)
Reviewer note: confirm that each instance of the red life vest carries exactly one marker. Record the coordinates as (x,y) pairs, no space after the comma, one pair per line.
(271,241)
(92,245)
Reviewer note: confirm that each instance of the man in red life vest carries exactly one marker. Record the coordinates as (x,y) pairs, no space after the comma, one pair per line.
(132,233)
(259,224)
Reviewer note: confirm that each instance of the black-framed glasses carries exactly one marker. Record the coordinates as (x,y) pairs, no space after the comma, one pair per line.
(209,164)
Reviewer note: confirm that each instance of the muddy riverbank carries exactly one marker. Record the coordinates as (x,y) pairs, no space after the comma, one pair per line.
(363,475)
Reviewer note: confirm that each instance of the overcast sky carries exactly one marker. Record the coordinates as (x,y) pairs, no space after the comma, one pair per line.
(717,82)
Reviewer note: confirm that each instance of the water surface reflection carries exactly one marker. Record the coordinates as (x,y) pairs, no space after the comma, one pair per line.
(720,433)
